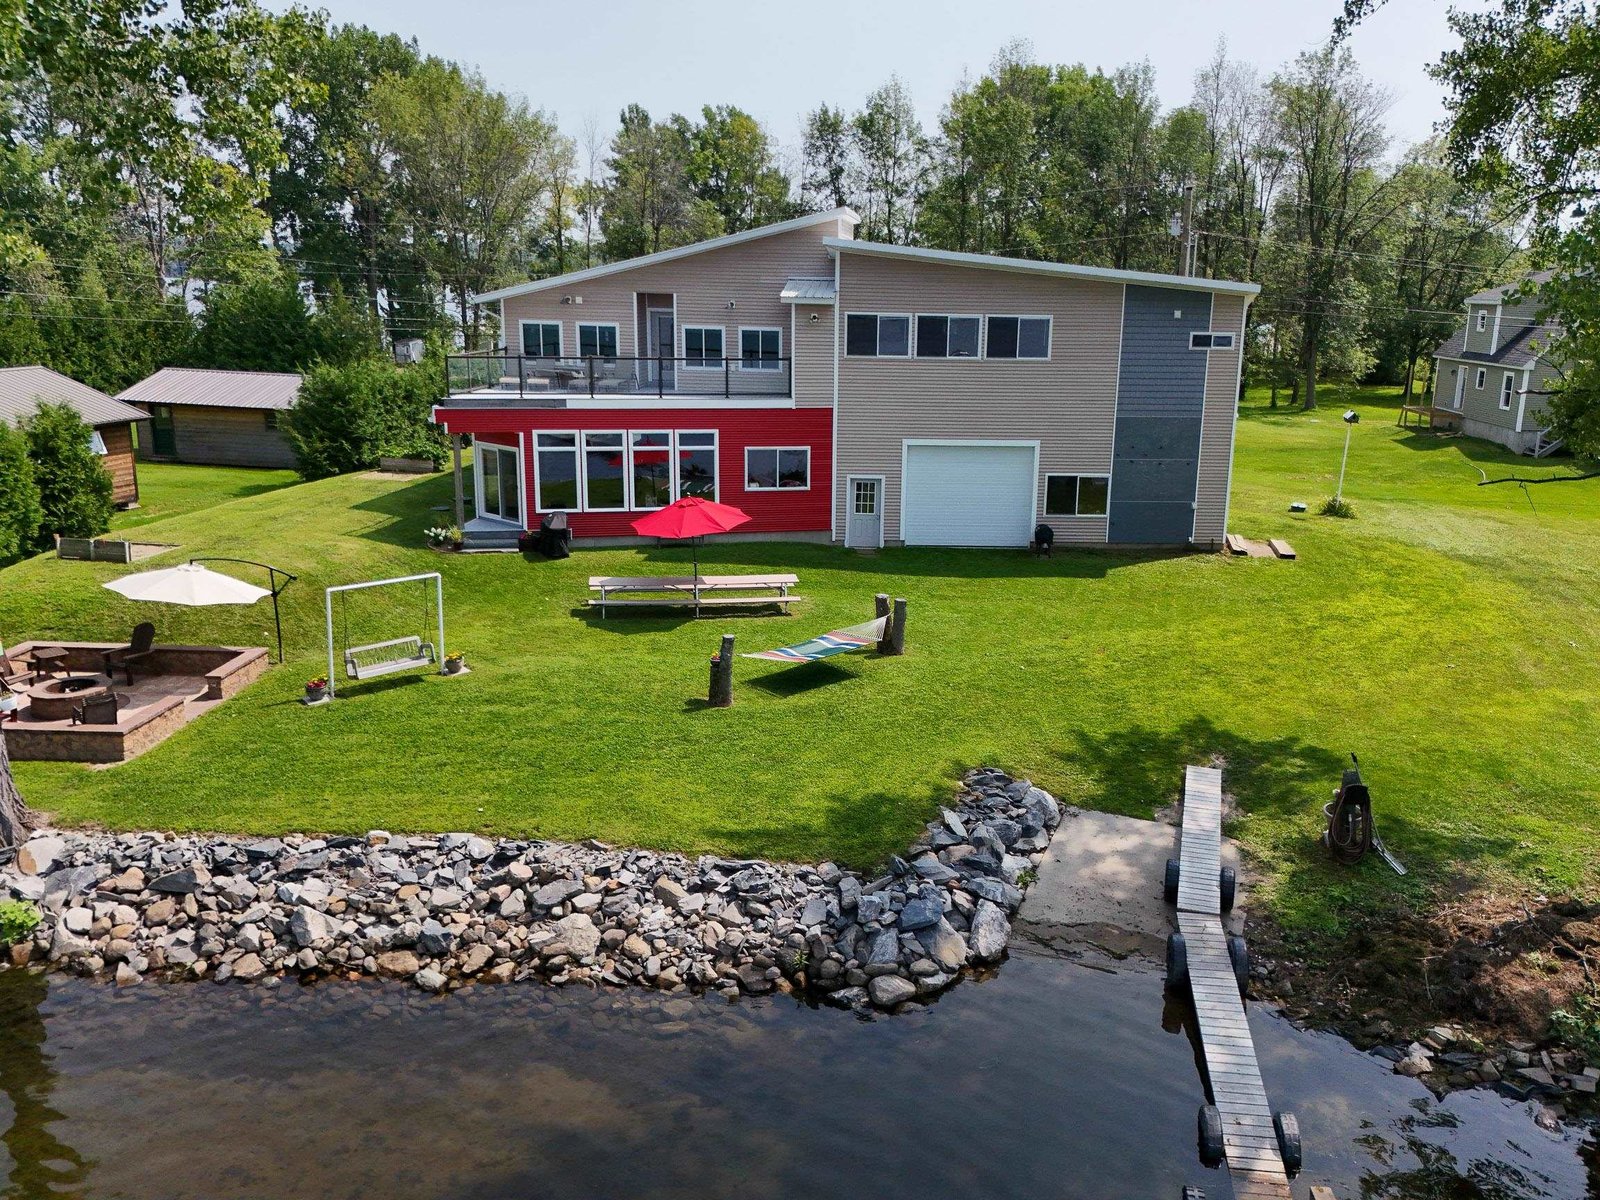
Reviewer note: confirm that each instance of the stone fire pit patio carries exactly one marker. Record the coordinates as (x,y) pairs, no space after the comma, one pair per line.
(171,687)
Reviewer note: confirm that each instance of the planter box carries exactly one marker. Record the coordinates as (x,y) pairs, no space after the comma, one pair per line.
(408,466)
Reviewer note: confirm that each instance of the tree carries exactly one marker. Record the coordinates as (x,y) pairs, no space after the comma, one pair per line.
(20,514)
(17,820)
(649,204)
(827,164)
(730,166)
(74,486)
(893,154)
(348,416)
(1330,123)
(266,324)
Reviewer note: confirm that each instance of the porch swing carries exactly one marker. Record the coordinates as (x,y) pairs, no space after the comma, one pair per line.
(375,659)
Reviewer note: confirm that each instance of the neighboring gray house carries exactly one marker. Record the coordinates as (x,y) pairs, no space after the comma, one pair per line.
(1495,371)
(23,389)
(848,391)
(223,418)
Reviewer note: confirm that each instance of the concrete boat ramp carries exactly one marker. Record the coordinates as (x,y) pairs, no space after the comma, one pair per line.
(1102,891)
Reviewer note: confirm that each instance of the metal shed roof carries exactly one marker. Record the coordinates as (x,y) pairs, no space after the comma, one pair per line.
(807,290)
(22,389)
(216,389)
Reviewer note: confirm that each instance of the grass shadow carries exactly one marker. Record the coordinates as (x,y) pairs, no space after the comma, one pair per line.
(802,678)
(376,687)
(409,508)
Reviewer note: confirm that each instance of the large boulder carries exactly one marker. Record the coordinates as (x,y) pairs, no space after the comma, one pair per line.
(183,881)
(889,990)
(990,931)
(579,934)
(39,855)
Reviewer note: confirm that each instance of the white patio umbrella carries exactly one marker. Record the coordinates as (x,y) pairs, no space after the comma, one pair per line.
(200,587)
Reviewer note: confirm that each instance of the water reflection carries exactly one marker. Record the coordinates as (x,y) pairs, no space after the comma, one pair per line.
(1048,1080)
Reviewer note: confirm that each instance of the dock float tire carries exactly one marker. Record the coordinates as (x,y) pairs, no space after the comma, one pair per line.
(1177,963)
(1211,1149)
(1287,1127)
(1227,884)
(1239,956)
(1170,886)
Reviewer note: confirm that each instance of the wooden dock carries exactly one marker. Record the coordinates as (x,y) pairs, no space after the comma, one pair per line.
(1250,1143)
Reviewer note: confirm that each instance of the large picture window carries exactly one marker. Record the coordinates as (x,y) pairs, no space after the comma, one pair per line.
(760,349)
(697,465)
(947,337)
(774,469)
(555,471)
(1019,337)
(597,341)
(541,339)
(604,474)
(872,335)
(651,457)
(1076,495)
(702,347)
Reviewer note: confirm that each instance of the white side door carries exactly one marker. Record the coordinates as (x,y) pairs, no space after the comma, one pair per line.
(863,521)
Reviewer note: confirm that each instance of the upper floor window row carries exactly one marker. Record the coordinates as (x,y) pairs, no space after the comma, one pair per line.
(596,339)
(940,335)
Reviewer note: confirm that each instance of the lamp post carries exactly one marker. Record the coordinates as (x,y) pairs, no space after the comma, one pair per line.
(1351,419)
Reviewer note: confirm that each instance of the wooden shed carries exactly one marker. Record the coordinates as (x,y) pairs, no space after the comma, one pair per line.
(23,389)
(222,418)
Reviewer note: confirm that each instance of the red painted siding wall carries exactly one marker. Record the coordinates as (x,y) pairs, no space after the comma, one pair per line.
(788,511)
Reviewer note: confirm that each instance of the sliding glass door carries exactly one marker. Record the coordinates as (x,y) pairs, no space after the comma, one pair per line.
(499,470)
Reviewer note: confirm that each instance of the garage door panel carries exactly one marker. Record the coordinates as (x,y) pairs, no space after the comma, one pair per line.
(968,495)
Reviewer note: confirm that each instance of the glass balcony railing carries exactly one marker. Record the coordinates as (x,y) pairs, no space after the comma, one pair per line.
(543,377)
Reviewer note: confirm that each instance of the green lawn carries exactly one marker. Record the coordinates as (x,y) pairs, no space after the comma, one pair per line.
(1448,634)
(172,489)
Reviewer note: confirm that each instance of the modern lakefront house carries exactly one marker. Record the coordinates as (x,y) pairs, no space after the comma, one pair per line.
(1496,369)
(855,392)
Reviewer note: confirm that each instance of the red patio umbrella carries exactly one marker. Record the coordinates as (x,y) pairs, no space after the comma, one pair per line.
(691,517)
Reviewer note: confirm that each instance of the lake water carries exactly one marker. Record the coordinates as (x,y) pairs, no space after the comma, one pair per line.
(1049,1079)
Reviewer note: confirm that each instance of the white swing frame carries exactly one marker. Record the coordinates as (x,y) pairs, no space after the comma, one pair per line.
(438,608)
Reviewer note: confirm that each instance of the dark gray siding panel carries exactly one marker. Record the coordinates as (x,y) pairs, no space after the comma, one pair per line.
(1161,385)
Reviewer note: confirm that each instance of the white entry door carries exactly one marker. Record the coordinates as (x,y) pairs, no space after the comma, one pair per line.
(499,477)
(863,520)
(1461,388)
(969,494)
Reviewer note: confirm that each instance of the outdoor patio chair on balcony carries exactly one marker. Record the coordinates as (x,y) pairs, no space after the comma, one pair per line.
(614,377)
(136,651)
(97,710)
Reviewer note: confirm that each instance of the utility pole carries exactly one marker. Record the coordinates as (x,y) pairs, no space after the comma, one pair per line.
(1186,232)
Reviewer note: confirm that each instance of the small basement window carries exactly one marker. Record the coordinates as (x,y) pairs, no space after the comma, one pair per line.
(1076,495)
(1211,341)
(870,335)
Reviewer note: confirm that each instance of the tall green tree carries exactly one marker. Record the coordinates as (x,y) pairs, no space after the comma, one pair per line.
(20,514)
(827,159)
(730,165)
(75,488)
(649,204)
(892,151)
(267,323)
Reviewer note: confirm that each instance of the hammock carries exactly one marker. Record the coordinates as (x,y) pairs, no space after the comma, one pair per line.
(838,641)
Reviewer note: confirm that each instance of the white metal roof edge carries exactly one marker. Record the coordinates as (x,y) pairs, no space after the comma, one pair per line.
(662,256)
(1192,283)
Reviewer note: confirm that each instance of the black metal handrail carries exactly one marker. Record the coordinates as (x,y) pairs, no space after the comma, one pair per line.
(540,376)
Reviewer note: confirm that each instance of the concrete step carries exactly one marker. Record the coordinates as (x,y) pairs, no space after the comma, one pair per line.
(489,539)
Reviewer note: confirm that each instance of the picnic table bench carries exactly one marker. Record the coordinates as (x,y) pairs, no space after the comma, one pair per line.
(690,591)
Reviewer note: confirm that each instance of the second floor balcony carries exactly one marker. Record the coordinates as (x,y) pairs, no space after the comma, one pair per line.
(556,382)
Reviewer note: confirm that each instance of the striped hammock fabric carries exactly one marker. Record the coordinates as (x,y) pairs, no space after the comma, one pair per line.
(839,641)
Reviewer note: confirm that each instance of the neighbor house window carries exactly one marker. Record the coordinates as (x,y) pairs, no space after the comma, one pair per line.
(1508,387)
(555,481)
(1483,319)
(651,455)
(97,444)
(541,339)
(702,347)
(269,418)
(774,469)
(604,475)
(1075,495)
(1481,376)
(1019,337)
(760,349)
(697,465)
(947,337)
(597,341)
(869,335)
(1211,341)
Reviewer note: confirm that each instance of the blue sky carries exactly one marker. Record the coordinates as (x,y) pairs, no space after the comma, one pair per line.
(778,61)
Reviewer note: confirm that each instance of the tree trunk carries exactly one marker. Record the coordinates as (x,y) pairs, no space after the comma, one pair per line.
(16,818)
(1308,366)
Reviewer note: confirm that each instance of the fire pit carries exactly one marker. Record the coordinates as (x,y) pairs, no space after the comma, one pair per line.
(54,699)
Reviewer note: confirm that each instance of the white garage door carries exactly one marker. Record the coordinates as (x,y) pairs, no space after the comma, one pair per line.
(968,495)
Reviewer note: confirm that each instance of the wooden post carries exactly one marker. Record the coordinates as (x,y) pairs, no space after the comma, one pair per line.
(880,608)
(455,450)
(897,628)
(721,694)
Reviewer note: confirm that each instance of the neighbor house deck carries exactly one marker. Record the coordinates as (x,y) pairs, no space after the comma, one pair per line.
(171,687)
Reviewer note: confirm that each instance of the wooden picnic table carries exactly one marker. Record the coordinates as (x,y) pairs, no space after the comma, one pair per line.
(696,591)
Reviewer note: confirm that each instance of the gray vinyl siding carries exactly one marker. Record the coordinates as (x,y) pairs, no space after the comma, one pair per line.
(813,355)
(225,437)
(1480,405)
(1067,403)
(1480,343)
(1220,414)
(748,276)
